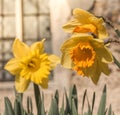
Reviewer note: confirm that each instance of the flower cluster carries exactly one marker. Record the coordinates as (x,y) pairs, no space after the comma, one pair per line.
(85,51)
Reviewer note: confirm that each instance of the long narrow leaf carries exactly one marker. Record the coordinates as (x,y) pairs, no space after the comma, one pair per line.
(89,108)
(93,102)
(74,96)
(74,110)
(8,107)
(101,109)
(57,97)
(62,112)
(29,106)
(42,106)
(53,108)
(67,108)
(110,110)
(17,108)
(83,100)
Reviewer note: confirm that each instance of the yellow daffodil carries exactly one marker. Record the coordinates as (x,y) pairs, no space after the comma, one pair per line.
(30,64)
(85,22)
(86,55)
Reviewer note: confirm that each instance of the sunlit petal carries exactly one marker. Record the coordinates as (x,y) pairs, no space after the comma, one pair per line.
(82,15)
(20,49)
(38,46)
(70,26)
(54,60)
(21,84)
(66,60)
(13,66)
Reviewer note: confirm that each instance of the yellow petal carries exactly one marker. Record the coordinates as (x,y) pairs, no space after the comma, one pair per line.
(101,30)
(102,51)
(102,33)
(13,66)
(21,84)
(70,26)
(105,55)
(101,67)
(44,83)
(72,42)
(54,60)
(96,77)
(94,72)
(82,15)
(38,46)
(66,60)
(19,49)
(104,68)
(40,77)
(43,72)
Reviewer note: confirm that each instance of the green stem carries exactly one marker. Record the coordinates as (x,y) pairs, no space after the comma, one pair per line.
(37,97)
(116,62)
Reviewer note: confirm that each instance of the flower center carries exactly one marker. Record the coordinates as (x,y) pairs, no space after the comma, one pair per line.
(85,28)
(83,55)
(31,62)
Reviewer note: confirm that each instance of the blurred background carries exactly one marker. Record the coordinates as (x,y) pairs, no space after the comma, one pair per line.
(33,20)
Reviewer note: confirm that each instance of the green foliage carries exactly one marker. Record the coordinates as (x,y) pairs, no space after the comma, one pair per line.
(69,104)
(102,110)
(8,107)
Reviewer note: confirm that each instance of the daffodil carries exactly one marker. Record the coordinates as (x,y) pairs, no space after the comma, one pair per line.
(85,22)
(30,63)
(87,56)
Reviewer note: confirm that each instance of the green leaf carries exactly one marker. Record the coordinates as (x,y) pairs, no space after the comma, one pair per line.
(86,113)
(67,108)
(73,95)
(8,107)
(42,106)
(85,93)
(101,109)
(93,101)
(62,112)
(29,106)
(53,108)
(17,108)
(57,97)
(74,110)
(89,108)
(110,110)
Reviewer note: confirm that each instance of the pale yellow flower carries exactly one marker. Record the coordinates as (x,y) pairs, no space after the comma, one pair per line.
(86,55)
(85,22)
(30,64)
